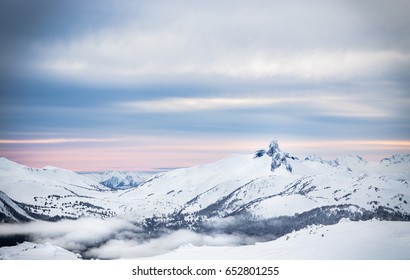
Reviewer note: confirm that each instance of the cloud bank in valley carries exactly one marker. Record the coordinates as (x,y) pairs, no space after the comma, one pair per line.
(115,238)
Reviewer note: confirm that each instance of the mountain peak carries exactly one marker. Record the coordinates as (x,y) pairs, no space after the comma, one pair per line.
(278,157)
(7,164)
(273,147)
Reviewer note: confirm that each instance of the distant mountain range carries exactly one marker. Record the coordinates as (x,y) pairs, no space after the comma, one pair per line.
(266,191)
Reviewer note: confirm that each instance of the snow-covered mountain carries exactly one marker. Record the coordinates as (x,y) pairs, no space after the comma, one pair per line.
(271,183)
(119,179)
(267,184)
(48,193)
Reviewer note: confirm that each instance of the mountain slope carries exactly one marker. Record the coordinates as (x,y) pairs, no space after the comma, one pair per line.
(11,211)
(50,193)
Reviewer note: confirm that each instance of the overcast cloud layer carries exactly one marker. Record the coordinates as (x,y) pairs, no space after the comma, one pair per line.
(105,72)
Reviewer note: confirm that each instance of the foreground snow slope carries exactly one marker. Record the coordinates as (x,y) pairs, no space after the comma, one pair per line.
(32,251)
(346,240)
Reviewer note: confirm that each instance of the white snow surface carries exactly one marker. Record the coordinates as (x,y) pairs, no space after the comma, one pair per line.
(370,240)
(33,251)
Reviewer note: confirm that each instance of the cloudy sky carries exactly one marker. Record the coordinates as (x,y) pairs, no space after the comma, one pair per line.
(151,85)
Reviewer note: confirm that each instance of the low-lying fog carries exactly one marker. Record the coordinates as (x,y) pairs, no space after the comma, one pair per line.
(114,238)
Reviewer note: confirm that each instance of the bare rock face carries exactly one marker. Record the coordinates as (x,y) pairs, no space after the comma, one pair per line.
(278,157)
